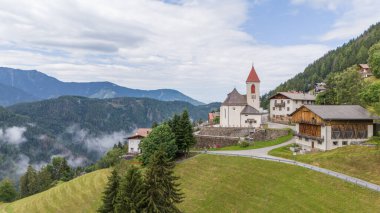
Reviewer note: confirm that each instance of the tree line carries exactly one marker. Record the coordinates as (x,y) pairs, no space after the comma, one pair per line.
(152,187)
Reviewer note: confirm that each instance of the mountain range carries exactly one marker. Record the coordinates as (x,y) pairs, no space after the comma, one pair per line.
(17,86)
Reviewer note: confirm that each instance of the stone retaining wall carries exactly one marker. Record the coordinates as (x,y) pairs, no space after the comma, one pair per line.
(216,137)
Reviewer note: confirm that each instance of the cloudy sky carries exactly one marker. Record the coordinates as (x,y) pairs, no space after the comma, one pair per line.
(203,48)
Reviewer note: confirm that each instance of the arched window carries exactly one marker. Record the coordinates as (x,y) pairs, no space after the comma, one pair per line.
(253,89)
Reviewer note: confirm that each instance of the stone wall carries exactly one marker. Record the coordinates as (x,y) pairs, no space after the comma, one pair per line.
(214,141)
(215,137)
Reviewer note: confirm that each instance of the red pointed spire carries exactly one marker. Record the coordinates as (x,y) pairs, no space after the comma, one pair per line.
(253,77)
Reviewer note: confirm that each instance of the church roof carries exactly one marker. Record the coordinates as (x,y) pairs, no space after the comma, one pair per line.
(253,77)
(234,98)
(249,110)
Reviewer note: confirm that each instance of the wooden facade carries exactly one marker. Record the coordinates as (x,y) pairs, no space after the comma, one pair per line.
(304,115)
(310,130)
(310,125)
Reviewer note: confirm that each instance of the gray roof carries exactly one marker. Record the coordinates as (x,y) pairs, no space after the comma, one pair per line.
(249,110)
(341,112)
(234,98)
(297,96)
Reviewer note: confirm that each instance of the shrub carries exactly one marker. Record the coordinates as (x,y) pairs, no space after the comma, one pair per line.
(244,144)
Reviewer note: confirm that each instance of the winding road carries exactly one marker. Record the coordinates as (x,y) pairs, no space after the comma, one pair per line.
(263,155)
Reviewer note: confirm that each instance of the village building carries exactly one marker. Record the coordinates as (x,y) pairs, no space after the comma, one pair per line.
(283,104)
(320,87)
(326,127)
(243,110)
(135,139)
(365,70)
(213,117)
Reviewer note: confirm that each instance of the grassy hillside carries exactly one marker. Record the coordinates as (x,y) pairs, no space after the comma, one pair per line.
(82,194)
(358,161)
(223,184)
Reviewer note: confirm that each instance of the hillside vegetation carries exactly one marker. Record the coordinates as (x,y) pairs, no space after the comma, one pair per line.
(358,161)
(222,184)
(79,128)
(352,53)
(82,194)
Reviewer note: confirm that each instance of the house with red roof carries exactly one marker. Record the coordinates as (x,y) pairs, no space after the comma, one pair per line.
(135,139)
(240,110)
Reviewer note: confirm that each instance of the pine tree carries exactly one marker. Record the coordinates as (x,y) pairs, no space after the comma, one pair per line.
(7,191)
(109,194)
(187,129)
(163,192)
(131,192)
(29,182)
(44,178)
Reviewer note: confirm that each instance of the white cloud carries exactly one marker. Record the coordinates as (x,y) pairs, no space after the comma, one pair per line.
(100,144)
(321,4)
(354,16)
(190,45)
(13,135)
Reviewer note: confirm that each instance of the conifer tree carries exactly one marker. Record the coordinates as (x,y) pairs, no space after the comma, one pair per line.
(29,182)
(163,191)
(187,129)
(131,192)
(110,193)
(7,191)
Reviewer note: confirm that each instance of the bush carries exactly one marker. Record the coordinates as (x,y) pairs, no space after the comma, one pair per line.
(244,144)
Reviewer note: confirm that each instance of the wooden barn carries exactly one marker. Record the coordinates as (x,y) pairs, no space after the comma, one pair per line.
(326,127)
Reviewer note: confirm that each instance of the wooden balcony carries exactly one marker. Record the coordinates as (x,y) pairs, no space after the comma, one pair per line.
(309,137)
(312,122)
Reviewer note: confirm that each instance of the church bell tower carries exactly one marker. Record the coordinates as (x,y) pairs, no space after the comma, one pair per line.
(253,89)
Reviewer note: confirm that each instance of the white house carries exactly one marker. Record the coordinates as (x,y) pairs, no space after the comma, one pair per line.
(326,127)
(135,139)
(243,110)
(283,104)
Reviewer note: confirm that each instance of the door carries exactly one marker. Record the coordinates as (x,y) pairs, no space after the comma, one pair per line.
(312,144)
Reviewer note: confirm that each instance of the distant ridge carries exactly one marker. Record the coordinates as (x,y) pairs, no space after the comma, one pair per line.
(18,86)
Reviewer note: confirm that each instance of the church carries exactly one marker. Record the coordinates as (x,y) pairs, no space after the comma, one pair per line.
(243,110)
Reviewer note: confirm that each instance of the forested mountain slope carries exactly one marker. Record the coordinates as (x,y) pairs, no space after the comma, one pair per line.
(78,128)
(349,54)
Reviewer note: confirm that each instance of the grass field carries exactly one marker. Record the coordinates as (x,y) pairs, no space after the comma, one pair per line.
(82,194)
(223,184)
(358,161)
(257,144)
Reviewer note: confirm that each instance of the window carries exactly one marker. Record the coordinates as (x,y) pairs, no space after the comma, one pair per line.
(253,89)
(335,143)
(296,102)
(275,101)
(306,139)
(288,109)
(280,109)
(132,150)
(233,108)
(225,113)
(344,143)
(320,142)
(274,108)
(274,116)
(288,101)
